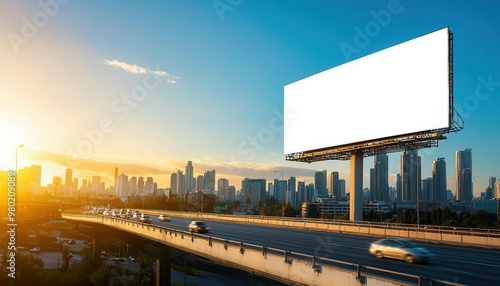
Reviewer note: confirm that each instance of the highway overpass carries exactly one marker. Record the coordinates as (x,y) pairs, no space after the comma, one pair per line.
(305,257)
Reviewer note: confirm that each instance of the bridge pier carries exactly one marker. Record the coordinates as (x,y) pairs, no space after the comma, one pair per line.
(356,187)
(163,268)
(96,248)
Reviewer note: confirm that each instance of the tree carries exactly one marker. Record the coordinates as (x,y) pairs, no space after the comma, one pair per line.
(146,274)
(65,259)
(248,200)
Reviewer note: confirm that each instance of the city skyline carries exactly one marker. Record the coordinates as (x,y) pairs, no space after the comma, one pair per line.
(167,83)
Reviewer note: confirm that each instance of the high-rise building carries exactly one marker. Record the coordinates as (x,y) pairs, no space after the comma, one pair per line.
(342,188)
(439,180)
(180,184)
(497,190)
(320,183)
(255,189)
(291,195)
(399,188)
(132,186)
(427,190)
(463,171)
(372,184)
(410,170)
(36,171)
(210,181)
(222,185)
(490,190)
(200,183)
(231,194)
(301,193)
(69,177)
(334,185)
(122,187)
(381,162)
(173,182)
(140,185)
(188,184)
(149,186)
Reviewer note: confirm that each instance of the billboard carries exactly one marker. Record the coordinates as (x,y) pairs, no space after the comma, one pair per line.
(400,90)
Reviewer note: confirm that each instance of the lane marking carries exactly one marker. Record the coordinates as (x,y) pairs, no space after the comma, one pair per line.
(454,270)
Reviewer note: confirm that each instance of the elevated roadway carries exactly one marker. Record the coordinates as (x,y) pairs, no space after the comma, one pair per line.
(452,265)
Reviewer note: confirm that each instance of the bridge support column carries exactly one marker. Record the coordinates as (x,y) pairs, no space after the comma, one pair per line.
(163,269)
(356,187)
(96,248)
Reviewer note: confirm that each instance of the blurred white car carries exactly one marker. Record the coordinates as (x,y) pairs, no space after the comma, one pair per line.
(163,218)
(400,248)
(35,249)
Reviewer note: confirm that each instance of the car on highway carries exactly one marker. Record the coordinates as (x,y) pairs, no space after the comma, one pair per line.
(118,259)
(163,218)
(399,248)
(198,226)
(145,218)
(35,250)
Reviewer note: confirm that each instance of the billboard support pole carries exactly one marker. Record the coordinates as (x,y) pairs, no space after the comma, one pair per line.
(356,187)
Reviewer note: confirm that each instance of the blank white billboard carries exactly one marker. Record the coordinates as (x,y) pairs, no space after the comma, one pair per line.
(400,90)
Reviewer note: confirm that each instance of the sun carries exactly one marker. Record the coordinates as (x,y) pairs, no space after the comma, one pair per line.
(9,144)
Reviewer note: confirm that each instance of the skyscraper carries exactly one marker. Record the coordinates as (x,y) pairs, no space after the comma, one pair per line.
(140,185)
(334,185)
(381,162)
(255,189)
(427,190)
(320,183)
(291,192)
(222,185)
(210,181)
(439,180)
(189,177)
(122,187)
(173,182)
(69,177)
(410,167)
(463,171)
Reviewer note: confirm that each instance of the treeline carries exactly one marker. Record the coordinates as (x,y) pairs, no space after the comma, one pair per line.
(447,217)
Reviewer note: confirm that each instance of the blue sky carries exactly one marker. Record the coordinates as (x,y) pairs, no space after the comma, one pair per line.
(220,68)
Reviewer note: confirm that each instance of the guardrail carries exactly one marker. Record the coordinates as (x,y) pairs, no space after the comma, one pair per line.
(283,265)
(489,238)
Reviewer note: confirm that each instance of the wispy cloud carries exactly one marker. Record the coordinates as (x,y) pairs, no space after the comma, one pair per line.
(140,70)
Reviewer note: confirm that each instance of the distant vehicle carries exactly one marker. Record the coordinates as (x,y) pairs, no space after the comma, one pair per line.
(118,259)
(133,258)
(145,218)
(35,250)
(198,226)
(400,248)
(137,215)
(163,218)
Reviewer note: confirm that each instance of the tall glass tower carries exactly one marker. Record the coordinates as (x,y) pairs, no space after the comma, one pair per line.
(463,165)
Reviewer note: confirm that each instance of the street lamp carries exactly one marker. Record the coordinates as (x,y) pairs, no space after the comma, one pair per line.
(20,146)
(282,195)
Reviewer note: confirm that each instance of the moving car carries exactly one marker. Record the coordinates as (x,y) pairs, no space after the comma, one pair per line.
(145,218)
(163,218)
(198,226)
(35,250)
(400,248)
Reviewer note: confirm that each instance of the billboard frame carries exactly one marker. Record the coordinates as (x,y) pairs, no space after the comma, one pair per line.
(398,143)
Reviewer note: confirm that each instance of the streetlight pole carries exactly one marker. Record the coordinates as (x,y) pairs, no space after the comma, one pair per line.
(282,195)
(17,149)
